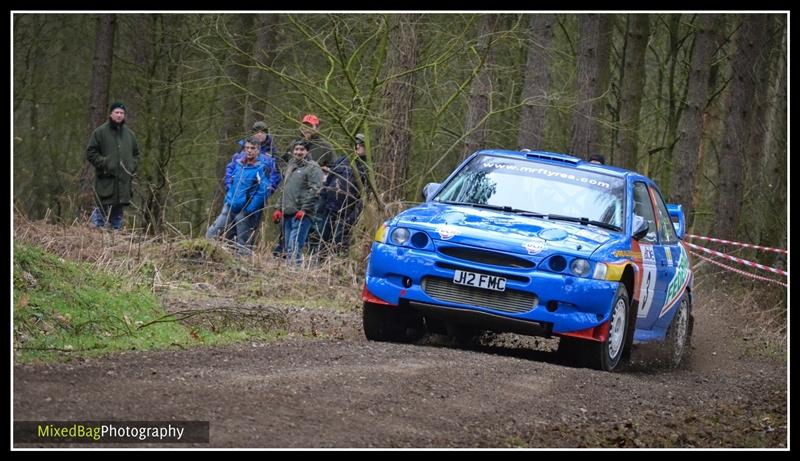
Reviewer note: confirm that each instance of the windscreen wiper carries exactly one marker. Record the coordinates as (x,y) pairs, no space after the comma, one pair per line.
(505,208)
(584,221)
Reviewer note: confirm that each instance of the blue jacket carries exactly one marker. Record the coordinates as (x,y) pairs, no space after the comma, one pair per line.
(249,188)
(269,166)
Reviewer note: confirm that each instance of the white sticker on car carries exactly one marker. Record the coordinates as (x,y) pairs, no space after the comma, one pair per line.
(447,232)
(595,234)
(534,246)
(649,275)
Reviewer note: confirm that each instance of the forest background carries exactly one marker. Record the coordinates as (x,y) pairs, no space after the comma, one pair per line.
(698,102)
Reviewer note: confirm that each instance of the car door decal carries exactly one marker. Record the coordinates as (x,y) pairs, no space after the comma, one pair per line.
(649,274)
(678,283)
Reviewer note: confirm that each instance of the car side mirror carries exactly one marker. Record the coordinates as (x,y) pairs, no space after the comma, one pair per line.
(430,190)
(678,219)
(640,227)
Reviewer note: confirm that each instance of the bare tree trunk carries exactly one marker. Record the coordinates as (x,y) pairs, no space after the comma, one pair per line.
(146,56)
(537,82)
(685,160)
(160,61)
(775,210)
(755,153)
(101,70)
(704,193)
(480,92)
(664,160)
(98,102)
(394,138)
(762,69)
(737,125)
(632,85)
(258,80)
(595,47)
(233,105)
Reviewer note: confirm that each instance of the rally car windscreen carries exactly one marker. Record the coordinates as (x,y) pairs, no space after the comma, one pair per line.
(539,188)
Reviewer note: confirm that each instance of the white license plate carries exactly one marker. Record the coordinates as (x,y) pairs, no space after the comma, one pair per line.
(472,279)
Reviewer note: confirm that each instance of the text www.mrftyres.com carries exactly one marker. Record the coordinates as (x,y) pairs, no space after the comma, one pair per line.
(548,173)
(111,431)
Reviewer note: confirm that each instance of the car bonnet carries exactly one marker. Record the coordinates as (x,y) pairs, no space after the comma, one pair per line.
(502,231)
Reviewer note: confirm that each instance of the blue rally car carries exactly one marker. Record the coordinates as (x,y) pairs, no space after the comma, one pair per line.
(535,243)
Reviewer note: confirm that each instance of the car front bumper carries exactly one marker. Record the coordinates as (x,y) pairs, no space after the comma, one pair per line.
(559,302)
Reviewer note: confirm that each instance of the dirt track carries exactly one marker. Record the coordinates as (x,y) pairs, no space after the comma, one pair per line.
(348,392)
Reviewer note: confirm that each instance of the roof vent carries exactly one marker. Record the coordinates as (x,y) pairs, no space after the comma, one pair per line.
(553,157)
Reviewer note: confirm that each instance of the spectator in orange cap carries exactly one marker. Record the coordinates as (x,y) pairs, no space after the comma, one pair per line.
(321,151)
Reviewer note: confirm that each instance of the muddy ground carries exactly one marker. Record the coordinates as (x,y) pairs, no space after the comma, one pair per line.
(324,385)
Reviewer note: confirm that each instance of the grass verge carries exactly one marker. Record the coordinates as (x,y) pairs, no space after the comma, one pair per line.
(65,309)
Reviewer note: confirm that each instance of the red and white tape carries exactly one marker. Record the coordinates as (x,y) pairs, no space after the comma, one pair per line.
(739,244)
(738,260)
(733,269)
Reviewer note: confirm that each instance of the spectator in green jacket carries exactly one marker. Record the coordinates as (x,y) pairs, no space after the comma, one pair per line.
(303,180)
(114,153)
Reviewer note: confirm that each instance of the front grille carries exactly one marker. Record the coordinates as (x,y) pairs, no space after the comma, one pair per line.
(512,301)
(486,257)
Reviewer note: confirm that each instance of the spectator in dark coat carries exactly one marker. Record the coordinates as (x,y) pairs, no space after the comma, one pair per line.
(342,200)
(114,153)
(339,196)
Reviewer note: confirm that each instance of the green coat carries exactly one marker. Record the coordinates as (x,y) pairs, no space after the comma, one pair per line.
(301,187)
(114,154)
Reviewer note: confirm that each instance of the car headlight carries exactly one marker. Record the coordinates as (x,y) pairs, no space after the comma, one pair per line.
(382,233)
(580,267)
(600,271)
(400,236)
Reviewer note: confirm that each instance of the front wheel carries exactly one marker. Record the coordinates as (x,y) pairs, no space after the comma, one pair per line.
(607,355)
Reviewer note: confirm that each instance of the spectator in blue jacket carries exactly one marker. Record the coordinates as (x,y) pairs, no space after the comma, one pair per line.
(248,191)
(267,155)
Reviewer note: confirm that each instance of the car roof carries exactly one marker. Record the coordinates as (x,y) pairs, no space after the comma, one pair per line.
(564,159)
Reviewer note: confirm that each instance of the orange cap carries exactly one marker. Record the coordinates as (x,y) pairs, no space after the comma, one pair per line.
(311,119)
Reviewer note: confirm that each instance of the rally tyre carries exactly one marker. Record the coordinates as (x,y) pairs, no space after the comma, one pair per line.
(608,354)
(679,334)
(382,323)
